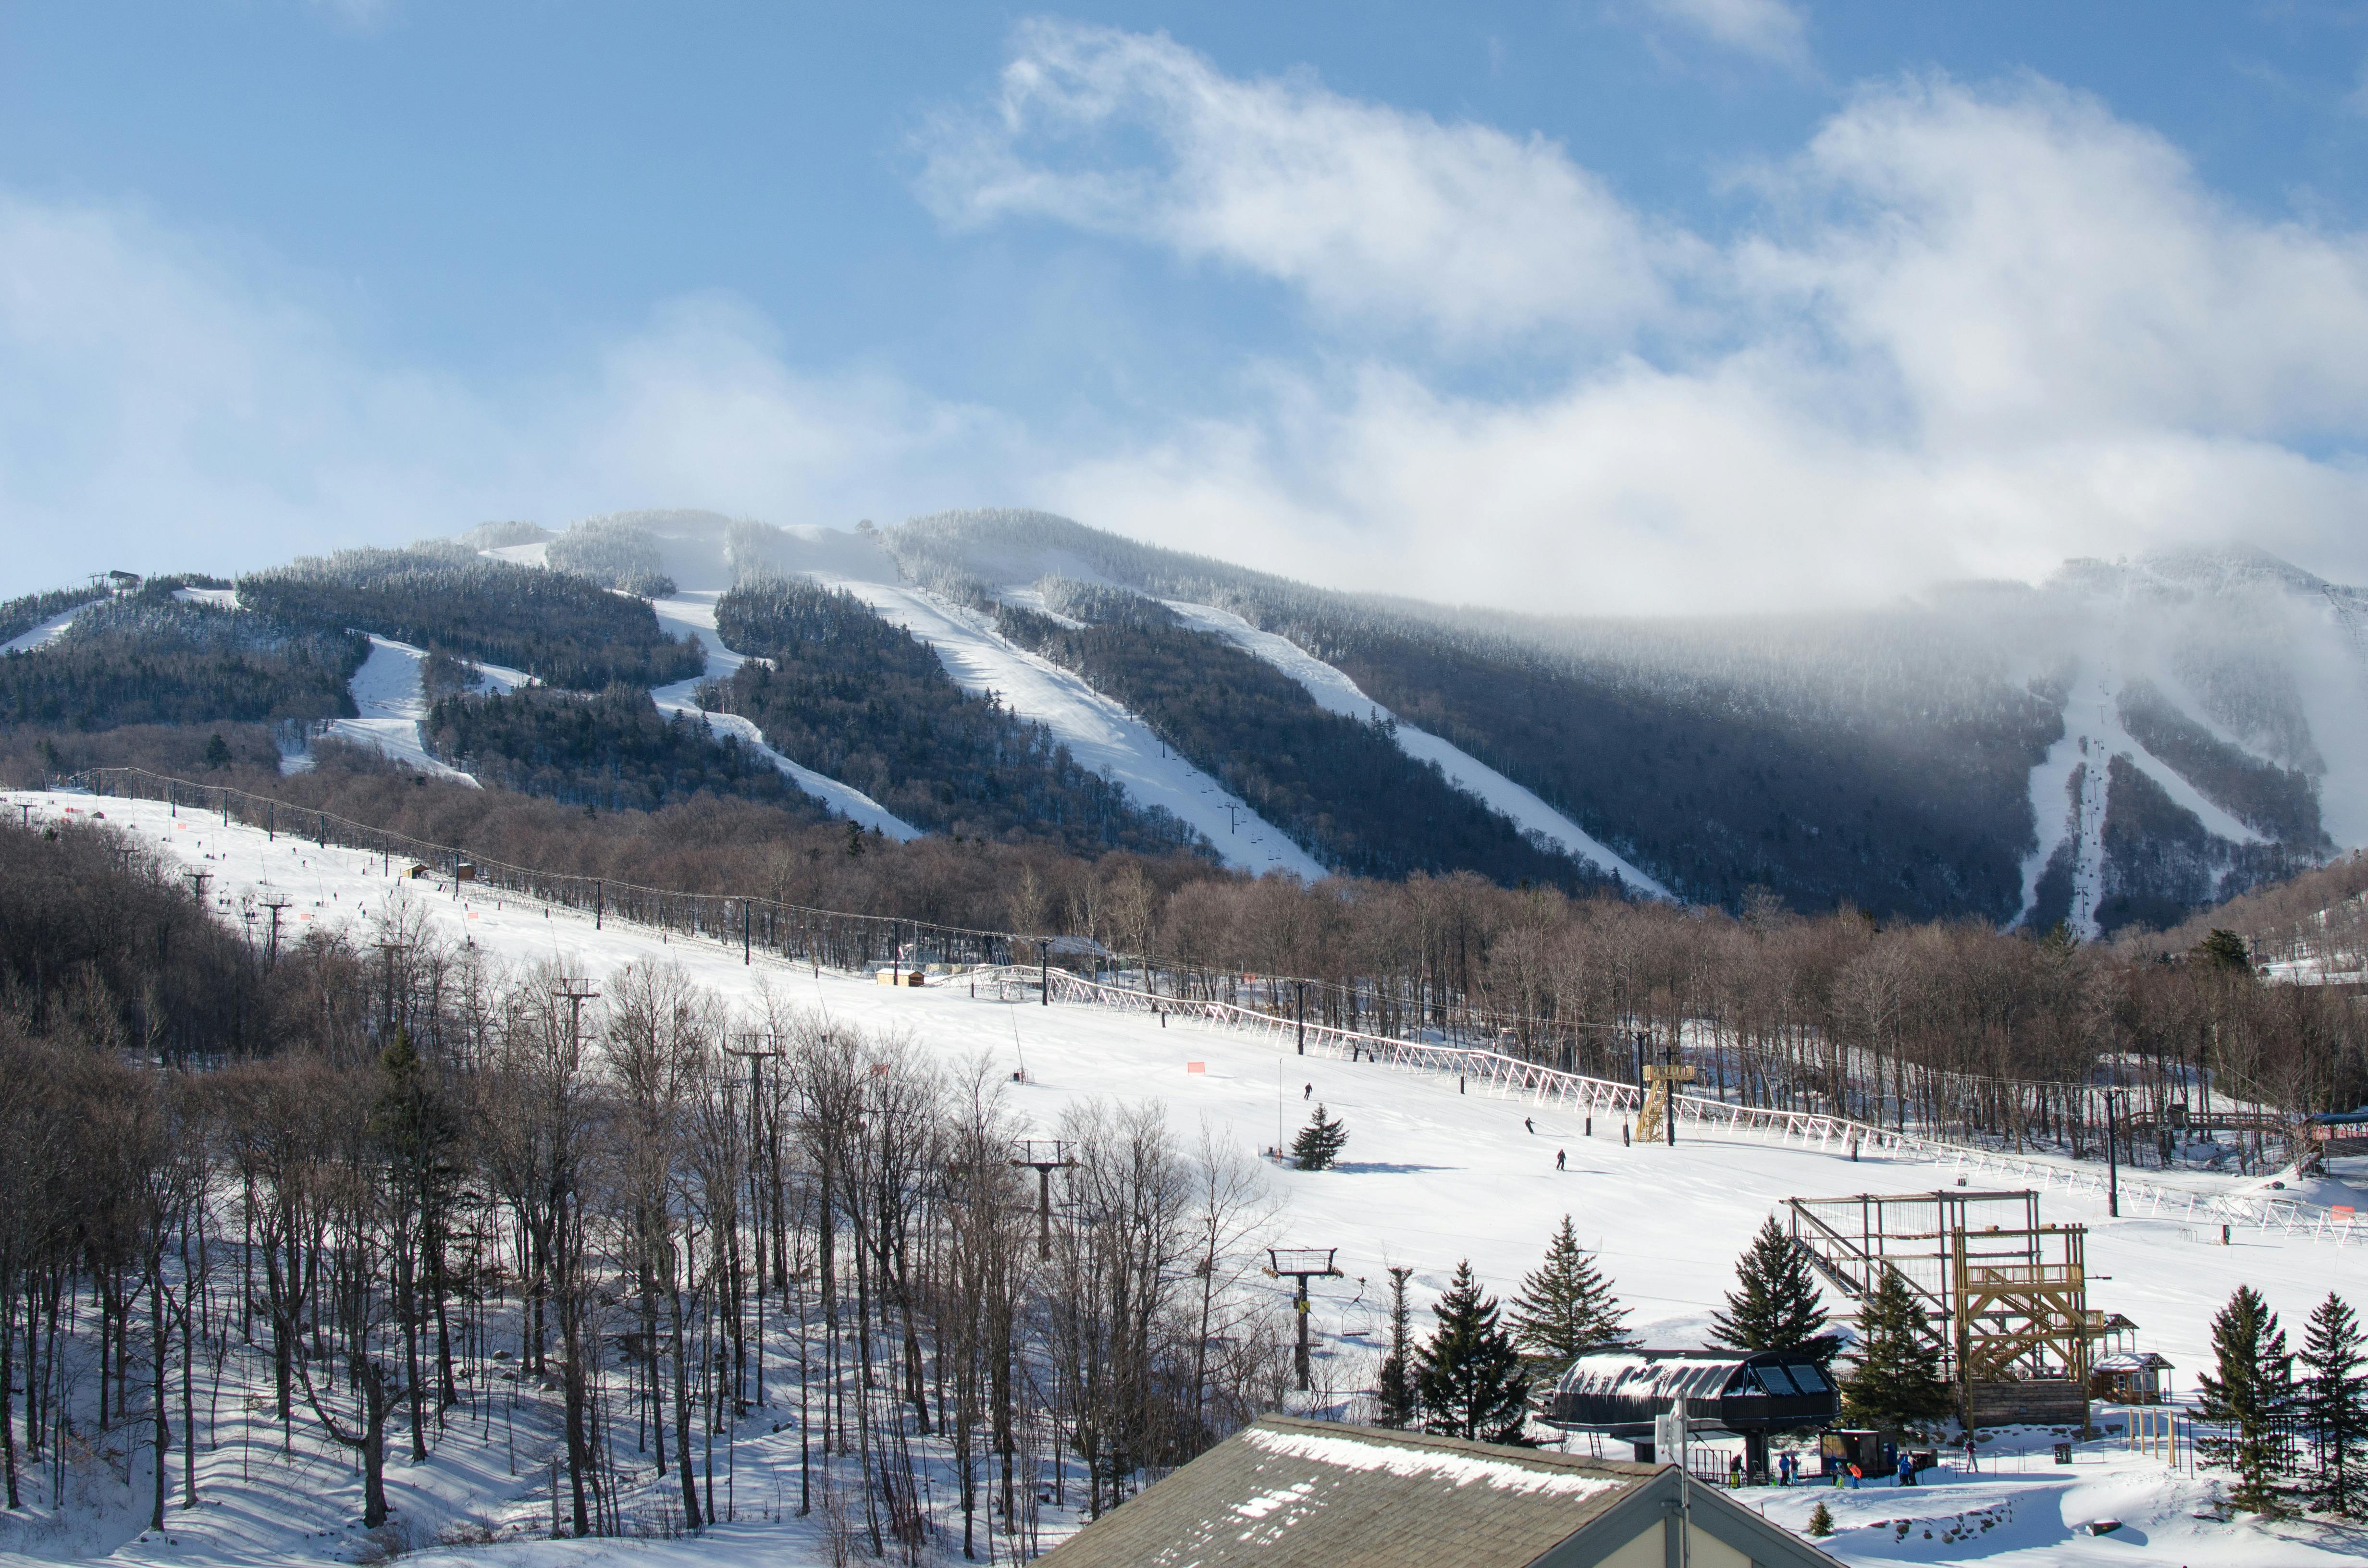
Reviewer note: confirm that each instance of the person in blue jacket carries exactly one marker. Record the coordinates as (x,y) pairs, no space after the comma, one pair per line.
(1906,1470)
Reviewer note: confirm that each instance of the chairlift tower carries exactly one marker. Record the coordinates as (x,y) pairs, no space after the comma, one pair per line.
(1301,1264)
(1043,1155)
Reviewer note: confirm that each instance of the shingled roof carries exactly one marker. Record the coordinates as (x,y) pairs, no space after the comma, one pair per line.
(1290,1493)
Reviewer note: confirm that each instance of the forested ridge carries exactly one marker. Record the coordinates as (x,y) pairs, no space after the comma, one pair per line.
(835,688)
(564,629)
(1717,773)
(1340,788)
(611,749)
(149,658)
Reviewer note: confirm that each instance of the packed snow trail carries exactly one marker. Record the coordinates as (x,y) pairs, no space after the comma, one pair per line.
(394,704)
(2093,736)
(1429,1176)
(692,615)
(1336,693)
(46,633)
(1098,733)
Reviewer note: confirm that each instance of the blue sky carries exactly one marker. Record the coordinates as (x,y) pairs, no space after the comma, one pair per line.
(1617,305)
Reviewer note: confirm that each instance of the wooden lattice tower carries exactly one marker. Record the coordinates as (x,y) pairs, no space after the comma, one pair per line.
(2005,1297)
(1658,1117)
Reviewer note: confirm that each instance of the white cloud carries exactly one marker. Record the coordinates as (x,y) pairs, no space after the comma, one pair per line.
(1973,333)
(1772,31)
(162,408)
(1374,212)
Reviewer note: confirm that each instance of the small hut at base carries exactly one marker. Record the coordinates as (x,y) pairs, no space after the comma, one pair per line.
(1290,1494)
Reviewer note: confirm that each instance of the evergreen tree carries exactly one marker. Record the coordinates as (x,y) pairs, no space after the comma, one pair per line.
(1566,1308)
(1821,1521)
(2223,949)
(1395,1391)
(1318,1144)
(217,751)
(1775,1304)
(1890,1385)
(2335,1401)
(1470,1381)
(2250,1395)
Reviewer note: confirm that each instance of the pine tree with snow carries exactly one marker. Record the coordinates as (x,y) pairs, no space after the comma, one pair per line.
(2335,1402)
(1318,1144)
(1821,1521)
(1566,1308)
(1394,1390)
(1470,1380)
(2248,1395)
(1890,1385)
(1775,1304)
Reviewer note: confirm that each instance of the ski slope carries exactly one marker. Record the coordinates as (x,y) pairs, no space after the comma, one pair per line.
(2093,735)
(1429,1176)
(43,635)
(1336,693)
(692,615)
(394,704)
(1098,733)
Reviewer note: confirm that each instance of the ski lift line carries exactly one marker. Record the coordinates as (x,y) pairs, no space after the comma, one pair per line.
(1506,1076)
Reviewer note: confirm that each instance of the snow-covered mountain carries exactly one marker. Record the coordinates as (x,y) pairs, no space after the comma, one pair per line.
(2120,745)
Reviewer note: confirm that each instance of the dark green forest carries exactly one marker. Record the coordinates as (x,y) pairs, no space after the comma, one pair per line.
(1342,789)
(564,631)
(850,696)
(610,749)
(152,659)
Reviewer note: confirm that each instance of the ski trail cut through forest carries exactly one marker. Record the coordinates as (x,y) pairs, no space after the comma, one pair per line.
(1099,733)
(692,615)
(2093,736)
(393,708)
(1336,693)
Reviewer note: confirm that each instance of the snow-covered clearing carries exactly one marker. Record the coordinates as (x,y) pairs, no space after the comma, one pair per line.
(1429,1175)
(393,703)
(1099,733)
(693,615)
(520,554)
(47,632)
(1336,693)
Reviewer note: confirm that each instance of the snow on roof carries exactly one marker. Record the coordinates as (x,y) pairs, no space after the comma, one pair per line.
(1456,1469)
(1652,1374)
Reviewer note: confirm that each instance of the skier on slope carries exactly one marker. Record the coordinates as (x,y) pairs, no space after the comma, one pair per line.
(1531,1126)
(1558,1161)
(1308,1093)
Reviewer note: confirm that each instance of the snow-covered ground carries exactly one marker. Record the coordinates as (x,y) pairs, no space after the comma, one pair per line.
(47,632)
(1431,1176)
(693,615)
(520,554)
(1336,693)
(387,690)
(1098,733)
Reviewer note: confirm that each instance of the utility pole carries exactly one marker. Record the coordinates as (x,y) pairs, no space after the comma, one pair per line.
(2112,1156)
(1301,1264)
(1043,1155)
(1301,987)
